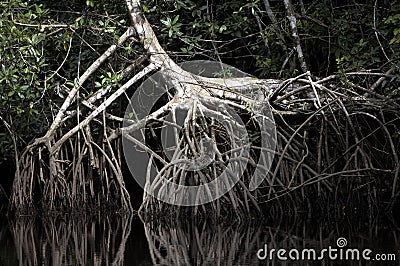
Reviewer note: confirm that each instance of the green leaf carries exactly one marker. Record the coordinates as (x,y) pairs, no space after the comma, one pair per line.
(24,87)
(69,83)
(166,22)
(222,28)
(175,20)
(90,3)
(38,9)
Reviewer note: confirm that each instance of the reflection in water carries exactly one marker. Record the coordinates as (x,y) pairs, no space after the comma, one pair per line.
(190,244)
(203,244)
(122,241)
(71,241)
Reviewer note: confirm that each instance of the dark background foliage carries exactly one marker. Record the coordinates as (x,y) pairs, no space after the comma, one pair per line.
(45,45)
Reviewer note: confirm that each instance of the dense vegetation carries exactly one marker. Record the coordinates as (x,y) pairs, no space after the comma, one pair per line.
(352,45)
(44,45)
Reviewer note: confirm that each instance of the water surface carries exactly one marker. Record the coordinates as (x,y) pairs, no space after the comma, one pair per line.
(126,240)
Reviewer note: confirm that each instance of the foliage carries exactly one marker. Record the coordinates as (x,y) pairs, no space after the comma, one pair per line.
(336,36)
(25,78)
(44,45)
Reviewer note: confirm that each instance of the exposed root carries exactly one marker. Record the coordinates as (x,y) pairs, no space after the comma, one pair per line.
(85,176)
(334,135)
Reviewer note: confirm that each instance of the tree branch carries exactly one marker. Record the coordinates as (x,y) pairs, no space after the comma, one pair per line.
(102,107)
(71,96)
(291,15)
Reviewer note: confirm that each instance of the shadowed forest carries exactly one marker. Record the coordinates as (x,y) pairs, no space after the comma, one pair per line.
(294,103)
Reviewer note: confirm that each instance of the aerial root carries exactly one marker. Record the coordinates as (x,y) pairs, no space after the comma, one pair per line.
(83,176)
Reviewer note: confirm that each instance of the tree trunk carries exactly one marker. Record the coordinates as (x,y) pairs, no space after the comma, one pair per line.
(68,170)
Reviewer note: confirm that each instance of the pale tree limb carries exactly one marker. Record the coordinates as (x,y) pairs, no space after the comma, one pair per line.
(274,22)
(147,36)
(381,79)
(376,32)
(291,15)
(99,94)
(102,107)
(71,96)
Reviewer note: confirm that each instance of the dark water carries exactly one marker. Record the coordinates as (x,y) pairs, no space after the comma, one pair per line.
(126,240)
